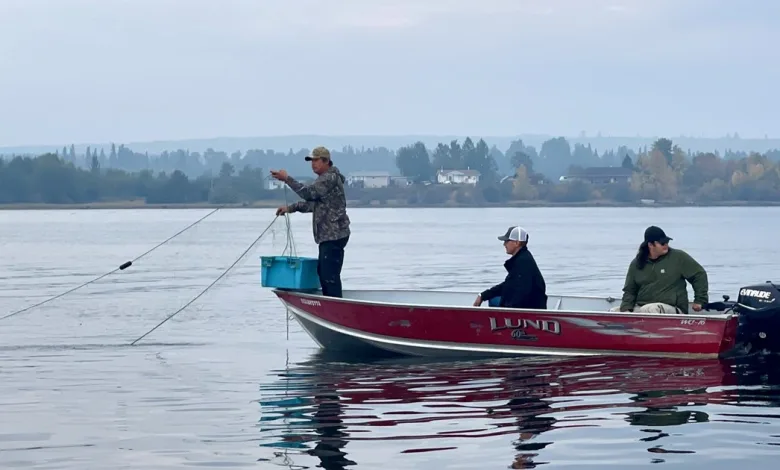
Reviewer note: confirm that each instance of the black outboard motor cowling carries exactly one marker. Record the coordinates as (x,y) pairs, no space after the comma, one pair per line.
(758,307)
(759,296)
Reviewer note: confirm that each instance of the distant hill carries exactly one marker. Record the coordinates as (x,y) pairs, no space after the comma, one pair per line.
(393,142)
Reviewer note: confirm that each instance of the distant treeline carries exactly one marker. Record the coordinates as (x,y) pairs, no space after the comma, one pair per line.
(663,172)
(52,180)
(552,158)
(283,144)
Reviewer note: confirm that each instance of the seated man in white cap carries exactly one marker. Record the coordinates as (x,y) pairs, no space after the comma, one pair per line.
(524,285)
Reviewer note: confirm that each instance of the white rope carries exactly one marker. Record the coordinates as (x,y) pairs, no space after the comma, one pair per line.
(293,253)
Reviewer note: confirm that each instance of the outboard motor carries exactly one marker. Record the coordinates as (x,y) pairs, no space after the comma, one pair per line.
(758,307)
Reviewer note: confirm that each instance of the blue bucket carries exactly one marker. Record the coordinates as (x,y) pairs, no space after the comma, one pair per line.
(289,272)
(494,302)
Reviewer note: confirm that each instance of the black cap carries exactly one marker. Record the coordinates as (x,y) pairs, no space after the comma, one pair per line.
(656,234)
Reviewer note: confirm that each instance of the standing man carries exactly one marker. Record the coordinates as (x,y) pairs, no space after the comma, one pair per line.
(524,286)
(326,199)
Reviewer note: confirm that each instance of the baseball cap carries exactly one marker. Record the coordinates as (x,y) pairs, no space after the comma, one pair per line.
(318,152)
(515,234)
(656,234)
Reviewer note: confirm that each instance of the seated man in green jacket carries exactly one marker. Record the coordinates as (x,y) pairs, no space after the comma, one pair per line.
(655,282)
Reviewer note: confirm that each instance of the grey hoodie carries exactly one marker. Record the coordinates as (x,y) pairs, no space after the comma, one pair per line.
(326,199)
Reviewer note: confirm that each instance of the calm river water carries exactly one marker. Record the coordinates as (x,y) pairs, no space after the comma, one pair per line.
(222,385)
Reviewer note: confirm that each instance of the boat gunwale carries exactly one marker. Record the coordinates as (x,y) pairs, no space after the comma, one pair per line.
(723,317)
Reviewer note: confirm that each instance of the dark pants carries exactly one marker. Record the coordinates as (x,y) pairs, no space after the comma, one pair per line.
(329,266)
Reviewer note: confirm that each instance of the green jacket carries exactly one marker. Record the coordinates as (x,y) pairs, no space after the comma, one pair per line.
(663,280)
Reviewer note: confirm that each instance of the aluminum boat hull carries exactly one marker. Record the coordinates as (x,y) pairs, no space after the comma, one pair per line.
(444,324)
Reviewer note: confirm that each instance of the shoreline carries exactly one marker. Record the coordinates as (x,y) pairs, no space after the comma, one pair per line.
(273,204)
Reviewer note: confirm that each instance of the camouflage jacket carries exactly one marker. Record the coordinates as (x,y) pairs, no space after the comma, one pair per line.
(326,199)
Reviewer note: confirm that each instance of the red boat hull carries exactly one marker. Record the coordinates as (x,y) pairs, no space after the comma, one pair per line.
(347,324)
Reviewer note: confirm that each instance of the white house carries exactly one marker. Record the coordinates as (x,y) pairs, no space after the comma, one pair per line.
(369,179)
(458,177)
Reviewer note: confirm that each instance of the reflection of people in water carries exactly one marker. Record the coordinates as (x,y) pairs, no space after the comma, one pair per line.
(659,416)
(655,418)
(668,406)
(526,407)
(329,426)
(527,410)
(318,413)
(322,395)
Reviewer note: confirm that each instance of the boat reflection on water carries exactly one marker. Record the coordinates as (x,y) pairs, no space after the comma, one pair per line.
(314,410)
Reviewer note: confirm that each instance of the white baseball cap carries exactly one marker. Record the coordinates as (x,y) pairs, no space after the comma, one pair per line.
(515,234)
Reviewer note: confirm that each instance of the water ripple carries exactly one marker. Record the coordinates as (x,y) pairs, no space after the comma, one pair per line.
(198,392)
(521,413)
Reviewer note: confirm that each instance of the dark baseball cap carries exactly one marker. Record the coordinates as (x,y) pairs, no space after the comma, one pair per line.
(656,234)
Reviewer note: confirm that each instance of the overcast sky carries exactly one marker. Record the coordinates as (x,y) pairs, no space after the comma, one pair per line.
(135,70)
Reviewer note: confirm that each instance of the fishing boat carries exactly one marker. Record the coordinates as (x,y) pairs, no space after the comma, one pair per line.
(445,323)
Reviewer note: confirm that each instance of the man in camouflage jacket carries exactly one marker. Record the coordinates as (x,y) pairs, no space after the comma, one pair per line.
(326,200)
